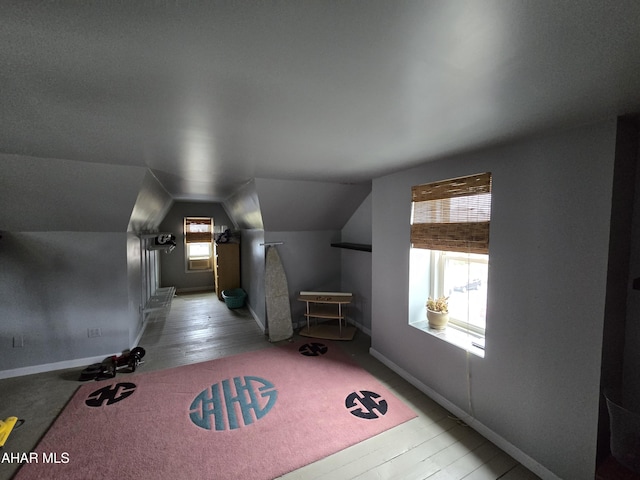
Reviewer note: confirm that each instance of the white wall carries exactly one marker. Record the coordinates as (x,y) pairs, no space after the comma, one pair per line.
(538,386)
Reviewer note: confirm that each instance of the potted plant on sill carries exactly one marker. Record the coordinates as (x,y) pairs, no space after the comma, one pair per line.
(438,312)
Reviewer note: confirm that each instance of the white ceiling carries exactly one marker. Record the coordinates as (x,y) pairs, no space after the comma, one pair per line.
(211,94)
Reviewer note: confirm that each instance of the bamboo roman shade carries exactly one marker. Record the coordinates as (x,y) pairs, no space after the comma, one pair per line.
(198,230)
(452,215)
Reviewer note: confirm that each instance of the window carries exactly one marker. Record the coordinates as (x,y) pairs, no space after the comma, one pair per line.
(450,224)
(463,278)
(198,239)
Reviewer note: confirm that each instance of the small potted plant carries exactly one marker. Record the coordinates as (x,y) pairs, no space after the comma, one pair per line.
(438,312)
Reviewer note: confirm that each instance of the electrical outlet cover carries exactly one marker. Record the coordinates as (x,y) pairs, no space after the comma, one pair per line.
(94,332)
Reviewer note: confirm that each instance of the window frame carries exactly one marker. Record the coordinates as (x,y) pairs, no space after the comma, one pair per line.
(437,280)
(450,219)
(187,258)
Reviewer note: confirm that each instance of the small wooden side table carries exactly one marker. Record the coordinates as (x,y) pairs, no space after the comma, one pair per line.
(327,306)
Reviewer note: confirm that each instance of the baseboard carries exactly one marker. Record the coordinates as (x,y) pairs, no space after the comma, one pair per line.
(359,326)
(78,362)
(255,317)
(195,289)
(50,367)
(350,321)
(483,430)
(136,342)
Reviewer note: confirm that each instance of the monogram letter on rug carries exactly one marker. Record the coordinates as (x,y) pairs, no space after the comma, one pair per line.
(367,404)
(111,395)
(313,349)
(214,401)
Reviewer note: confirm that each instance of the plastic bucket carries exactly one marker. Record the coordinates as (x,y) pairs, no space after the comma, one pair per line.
(234,298)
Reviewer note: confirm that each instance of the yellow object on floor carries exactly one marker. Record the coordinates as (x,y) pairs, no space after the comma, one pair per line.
(6,426)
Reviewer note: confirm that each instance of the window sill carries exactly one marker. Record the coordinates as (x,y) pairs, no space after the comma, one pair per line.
(470,342)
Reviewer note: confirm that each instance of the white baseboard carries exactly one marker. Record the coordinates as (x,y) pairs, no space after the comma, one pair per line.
(50,367)
(78,362)
(136,342)
(483,430)
(255,317)
(359,326)
(195,289)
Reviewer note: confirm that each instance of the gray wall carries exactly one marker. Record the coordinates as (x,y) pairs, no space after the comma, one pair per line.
(244,208)
(309,262)
(355,277)
(538,385)
(68,263)
(56,285)
(355,265)
(307,217)
(50,195)
(252,272)
(172,267)
(152,204)
(358,228)
(631,378)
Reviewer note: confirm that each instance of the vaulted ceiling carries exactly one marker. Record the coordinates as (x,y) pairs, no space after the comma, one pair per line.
(210,94)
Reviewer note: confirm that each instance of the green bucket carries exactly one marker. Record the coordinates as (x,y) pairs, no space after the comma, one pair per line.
(234,298)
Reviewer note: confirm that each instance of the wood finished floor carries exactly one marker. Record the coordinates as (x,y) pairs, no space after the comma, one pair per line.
(199,327)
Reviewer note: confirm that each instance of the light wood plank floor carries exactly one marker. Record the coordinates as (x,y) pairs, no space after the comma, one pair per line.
(199,327)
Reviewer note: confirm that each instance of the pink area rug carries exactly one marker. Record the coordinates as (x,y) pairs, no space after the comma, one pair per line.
(256,415)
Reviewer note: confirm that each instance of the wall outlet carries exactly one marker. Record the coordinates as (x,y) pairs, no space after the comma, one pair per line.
(18,341)
(94,332)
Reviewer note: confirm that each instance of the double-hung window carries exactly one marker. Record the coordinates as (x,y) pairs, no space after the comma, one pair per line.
(450,223)
(198,238)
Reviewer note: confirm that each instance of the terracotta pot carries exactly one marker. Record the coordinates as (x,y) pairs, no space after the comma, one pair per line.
(437,320)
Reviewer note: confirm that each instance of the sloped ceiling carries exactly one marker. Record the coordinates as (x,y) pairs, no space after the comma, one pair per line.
(209,95)
(289,205)
(152,204)
(63,195)
(295,205)
(244,207)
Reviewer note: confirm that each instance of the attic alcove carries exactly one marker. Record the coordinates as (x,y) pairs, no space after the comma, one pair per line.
(311,218)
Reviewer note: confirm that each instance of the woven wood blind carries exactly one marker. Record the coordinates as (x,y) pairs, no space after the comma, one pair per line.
(198,230)
(452,215)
